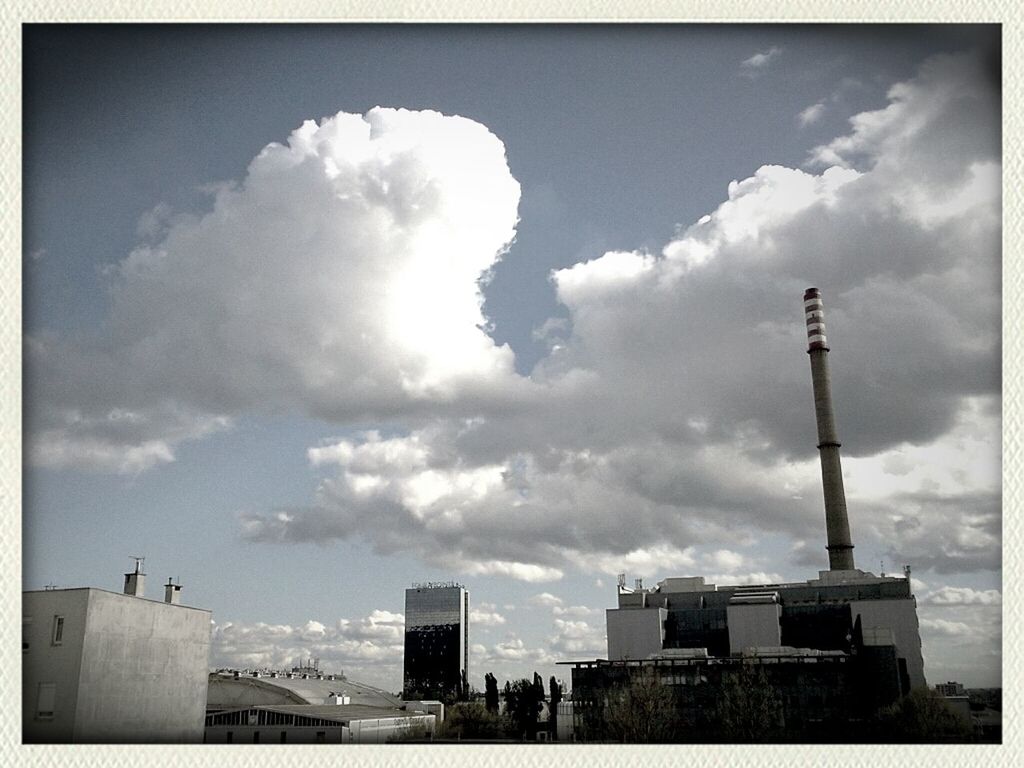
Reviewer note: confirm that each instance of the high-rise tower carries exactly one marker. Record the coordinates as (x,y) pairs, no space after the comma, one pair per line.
(837,523)
(436,641)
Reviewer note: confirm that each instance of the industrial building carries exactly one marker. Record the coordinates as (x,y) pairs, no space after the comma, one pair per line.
(306,706)
(832,648)
(436,641)
(108,667)
(821,614)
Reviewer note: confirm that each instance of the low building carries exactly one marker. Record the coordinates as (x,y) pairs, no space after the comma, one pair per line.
(231,689)
(307,706)
(950,688)
(107,667)
(317,724)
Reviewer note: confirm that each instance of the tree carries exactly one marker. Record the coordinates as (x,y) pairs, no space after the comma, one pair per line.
(408,730)
(471,720)
(641,711)
(749,707)
(922,717)
(554,698)
(522,705)
(491,693)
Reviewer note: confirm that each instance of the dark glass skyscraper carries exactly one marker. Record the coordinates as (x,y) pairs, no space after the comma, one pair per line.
(436,641)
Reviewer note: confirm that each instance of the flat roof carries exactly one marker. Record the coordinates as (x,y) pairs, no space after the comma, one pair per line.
(34,592)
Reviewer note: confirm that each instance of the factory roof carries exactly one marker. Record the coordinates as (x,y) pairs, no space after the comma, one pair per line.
(227,691)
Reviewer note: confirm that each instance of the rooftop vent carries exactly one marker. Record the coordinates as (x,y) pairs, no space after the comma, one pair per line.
(135,581)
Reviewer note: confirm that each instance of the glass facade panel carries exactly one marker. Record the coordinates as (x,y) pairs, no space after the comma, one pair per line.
(436,641)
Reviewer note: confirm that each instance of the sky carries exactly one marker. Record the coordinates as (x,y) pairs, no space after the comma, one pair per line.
(312,313)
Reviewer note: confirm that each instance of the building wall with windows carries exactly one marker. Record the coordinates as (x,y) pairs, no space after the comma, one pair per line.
(815,691)
(106,667)
(317,724)
(819,613)
(436,641)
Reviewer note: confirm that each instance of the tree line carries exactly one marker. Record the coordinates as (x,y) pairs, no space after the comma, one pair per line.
(518,719)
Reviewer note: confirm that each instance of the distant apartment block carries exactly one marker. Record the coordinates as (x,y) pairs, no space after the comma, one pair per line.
(107,667)
(436,641)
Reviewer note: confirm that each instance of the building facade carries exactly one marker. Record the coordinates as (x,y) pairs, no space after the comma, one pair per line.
(105,667)
(436,641)
(795,694)
(317,724)
(827,613)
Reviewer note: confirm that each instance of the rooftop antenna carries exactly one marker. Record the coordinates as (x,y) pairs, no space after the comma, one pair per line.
(140,561)
(622,580)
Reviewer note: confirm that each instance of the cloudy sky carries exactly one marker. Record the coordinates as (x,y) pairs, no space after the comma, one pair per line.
(312,313)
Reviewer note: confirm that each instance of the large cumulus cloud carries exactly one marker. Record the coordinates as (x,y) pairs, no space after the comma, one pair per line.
(677,414)
(672,420)
(340,277)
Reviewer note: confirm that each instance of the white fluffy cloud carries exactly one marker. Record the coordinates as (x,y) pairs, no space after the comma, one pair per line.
(961,634)
(672,420)
(811,114)
(486,615)
(368,649)
(964,596)
(341,276)
(760,60)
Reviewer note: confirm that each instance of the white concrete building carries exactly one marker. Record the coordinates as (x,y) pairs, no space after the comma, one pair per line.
(106,667)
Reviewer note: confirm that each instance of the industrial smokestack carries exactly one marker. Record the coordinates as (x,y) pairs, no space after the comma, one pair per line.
(837,524)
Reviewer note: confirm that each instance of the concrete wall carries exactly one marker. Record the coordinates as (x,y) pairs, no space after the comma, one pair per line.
(384,729)
(365,731)
(137,668)
(44,663)
(271,734)
(635,633)
(753,626)
(564,723)
(901,617)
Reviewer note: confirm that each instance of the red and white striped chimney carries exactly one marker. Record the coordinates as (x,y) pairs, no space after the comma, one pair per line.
(837,523)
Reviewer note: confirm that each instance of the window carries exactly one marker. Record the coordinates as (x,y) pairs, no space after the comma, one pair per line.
(45,701)
(58,630)
(321,737)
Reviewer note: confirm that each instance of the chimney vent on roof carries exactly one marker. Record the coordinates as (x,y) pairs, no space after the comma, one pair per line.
(172,592)
(135,582)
